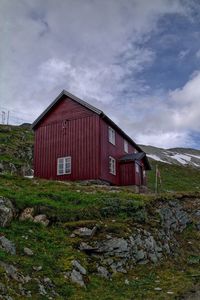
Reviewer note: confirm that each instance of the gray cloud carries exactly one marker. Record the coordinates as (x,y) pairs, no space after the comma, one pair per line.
(91,49)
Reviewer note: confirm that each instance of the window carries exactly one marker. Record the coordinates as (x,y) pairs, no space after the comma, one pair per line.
(125,146)
(137,168)
(111,135)
(64,165)
(112,165)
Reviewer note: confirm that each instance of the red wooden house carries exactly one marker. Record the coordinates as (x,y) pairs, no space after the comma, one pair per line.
(76,141)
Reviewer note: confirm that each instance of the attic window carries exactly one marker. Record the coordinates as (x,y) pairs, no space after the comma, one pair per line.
(64,165)
(125,146)
(111,135)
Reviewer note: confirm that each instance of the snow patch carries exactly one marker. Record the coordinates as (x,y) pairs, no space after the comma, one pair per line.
(155,157)
(195,156)
(182,158)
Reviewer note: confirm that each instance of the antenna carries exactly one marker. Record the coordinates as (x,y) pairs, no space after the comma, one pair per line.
(3,116)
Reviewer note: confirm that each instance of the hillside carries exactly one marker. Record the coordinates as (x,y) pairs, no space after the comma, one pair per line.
(175,156)
(16,157)
(16,149)
(74,240)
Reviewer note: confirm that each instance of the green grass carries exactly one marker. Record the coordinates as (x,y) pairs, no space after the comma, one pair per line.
(69,206)
(54,251)
(71,202)
(15,143)
(174,178)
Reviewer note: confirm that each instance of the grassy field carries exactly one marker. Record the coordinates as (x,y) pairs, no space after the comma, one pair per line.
(54,251)
(174,178)
(75,205)
(115,210)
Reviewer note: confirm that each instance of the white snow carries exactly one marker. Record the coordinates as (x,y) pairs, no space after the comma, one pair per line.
(155,157)
(182,158)
(196,165)
(195,156)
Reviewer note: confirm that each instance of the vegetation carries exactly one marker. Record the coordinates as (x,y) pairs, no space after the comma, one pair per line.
(16,145)
(174,178)
(115,210)
(54,250)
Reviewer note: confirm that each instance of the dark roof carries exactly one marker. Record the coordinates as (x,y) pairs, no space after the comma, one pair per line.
(136,157)
(90,107)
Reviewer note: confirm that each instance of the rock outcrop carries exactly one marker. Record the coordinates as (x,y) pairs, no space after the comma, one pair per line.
(7,211)
(113,254)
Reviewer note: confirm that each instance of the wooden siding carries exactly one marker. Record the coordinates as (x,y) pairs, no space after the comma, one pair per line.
(127,173)
(107,149)
(69,130)
(66,109)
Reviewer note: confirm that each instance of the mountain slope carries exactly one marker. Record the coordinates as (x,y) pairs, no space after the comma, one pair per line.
(175,156)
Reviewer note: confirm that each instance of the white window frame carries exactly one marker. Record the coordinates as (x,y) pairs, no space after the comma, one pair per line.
(111,135)
(125,146)
(112,165)
(64,165)
(137,168)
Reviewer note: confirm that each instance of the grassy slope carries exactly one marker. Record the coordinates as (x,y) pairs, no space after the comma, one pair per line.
(71,206)
(174,178)
(14,142)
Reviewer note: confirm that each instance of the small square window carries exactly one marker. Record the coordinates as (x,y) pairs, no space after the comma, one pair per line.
(112,165)
(64,165)
(125,146)
(111,135)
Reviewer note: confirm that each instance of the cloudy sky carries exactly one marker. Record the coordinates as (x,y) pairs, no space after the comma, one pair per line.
(137,60)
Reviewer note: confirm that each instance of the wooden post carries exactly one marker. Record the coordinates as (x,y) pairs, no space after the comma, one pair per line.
(156,180)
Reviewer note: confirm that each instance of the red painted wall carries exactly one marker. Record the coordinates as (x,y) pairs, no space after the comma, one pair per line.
(78,137)
(70,129)
(107,149)
(127,173)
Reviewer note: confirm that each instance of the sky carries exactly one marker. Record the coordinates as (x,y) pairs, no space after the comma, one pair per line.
(137,60)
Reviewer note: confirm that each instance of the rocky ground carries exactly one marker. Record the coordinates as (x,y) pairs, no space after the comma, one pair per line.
(112,253)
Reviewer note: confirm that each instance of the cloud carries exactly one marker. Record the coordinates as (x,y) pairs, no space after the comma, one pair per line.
(198,54)
(183,53)
(98,51)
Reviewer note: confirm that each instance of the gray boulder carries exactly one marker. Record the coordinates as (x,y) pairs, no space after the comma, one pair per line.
(85,232)
(28,251)
(42,219)
(7,245)
(78,267)
(7,212)
(12,272)
(77,278)
(103,272)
